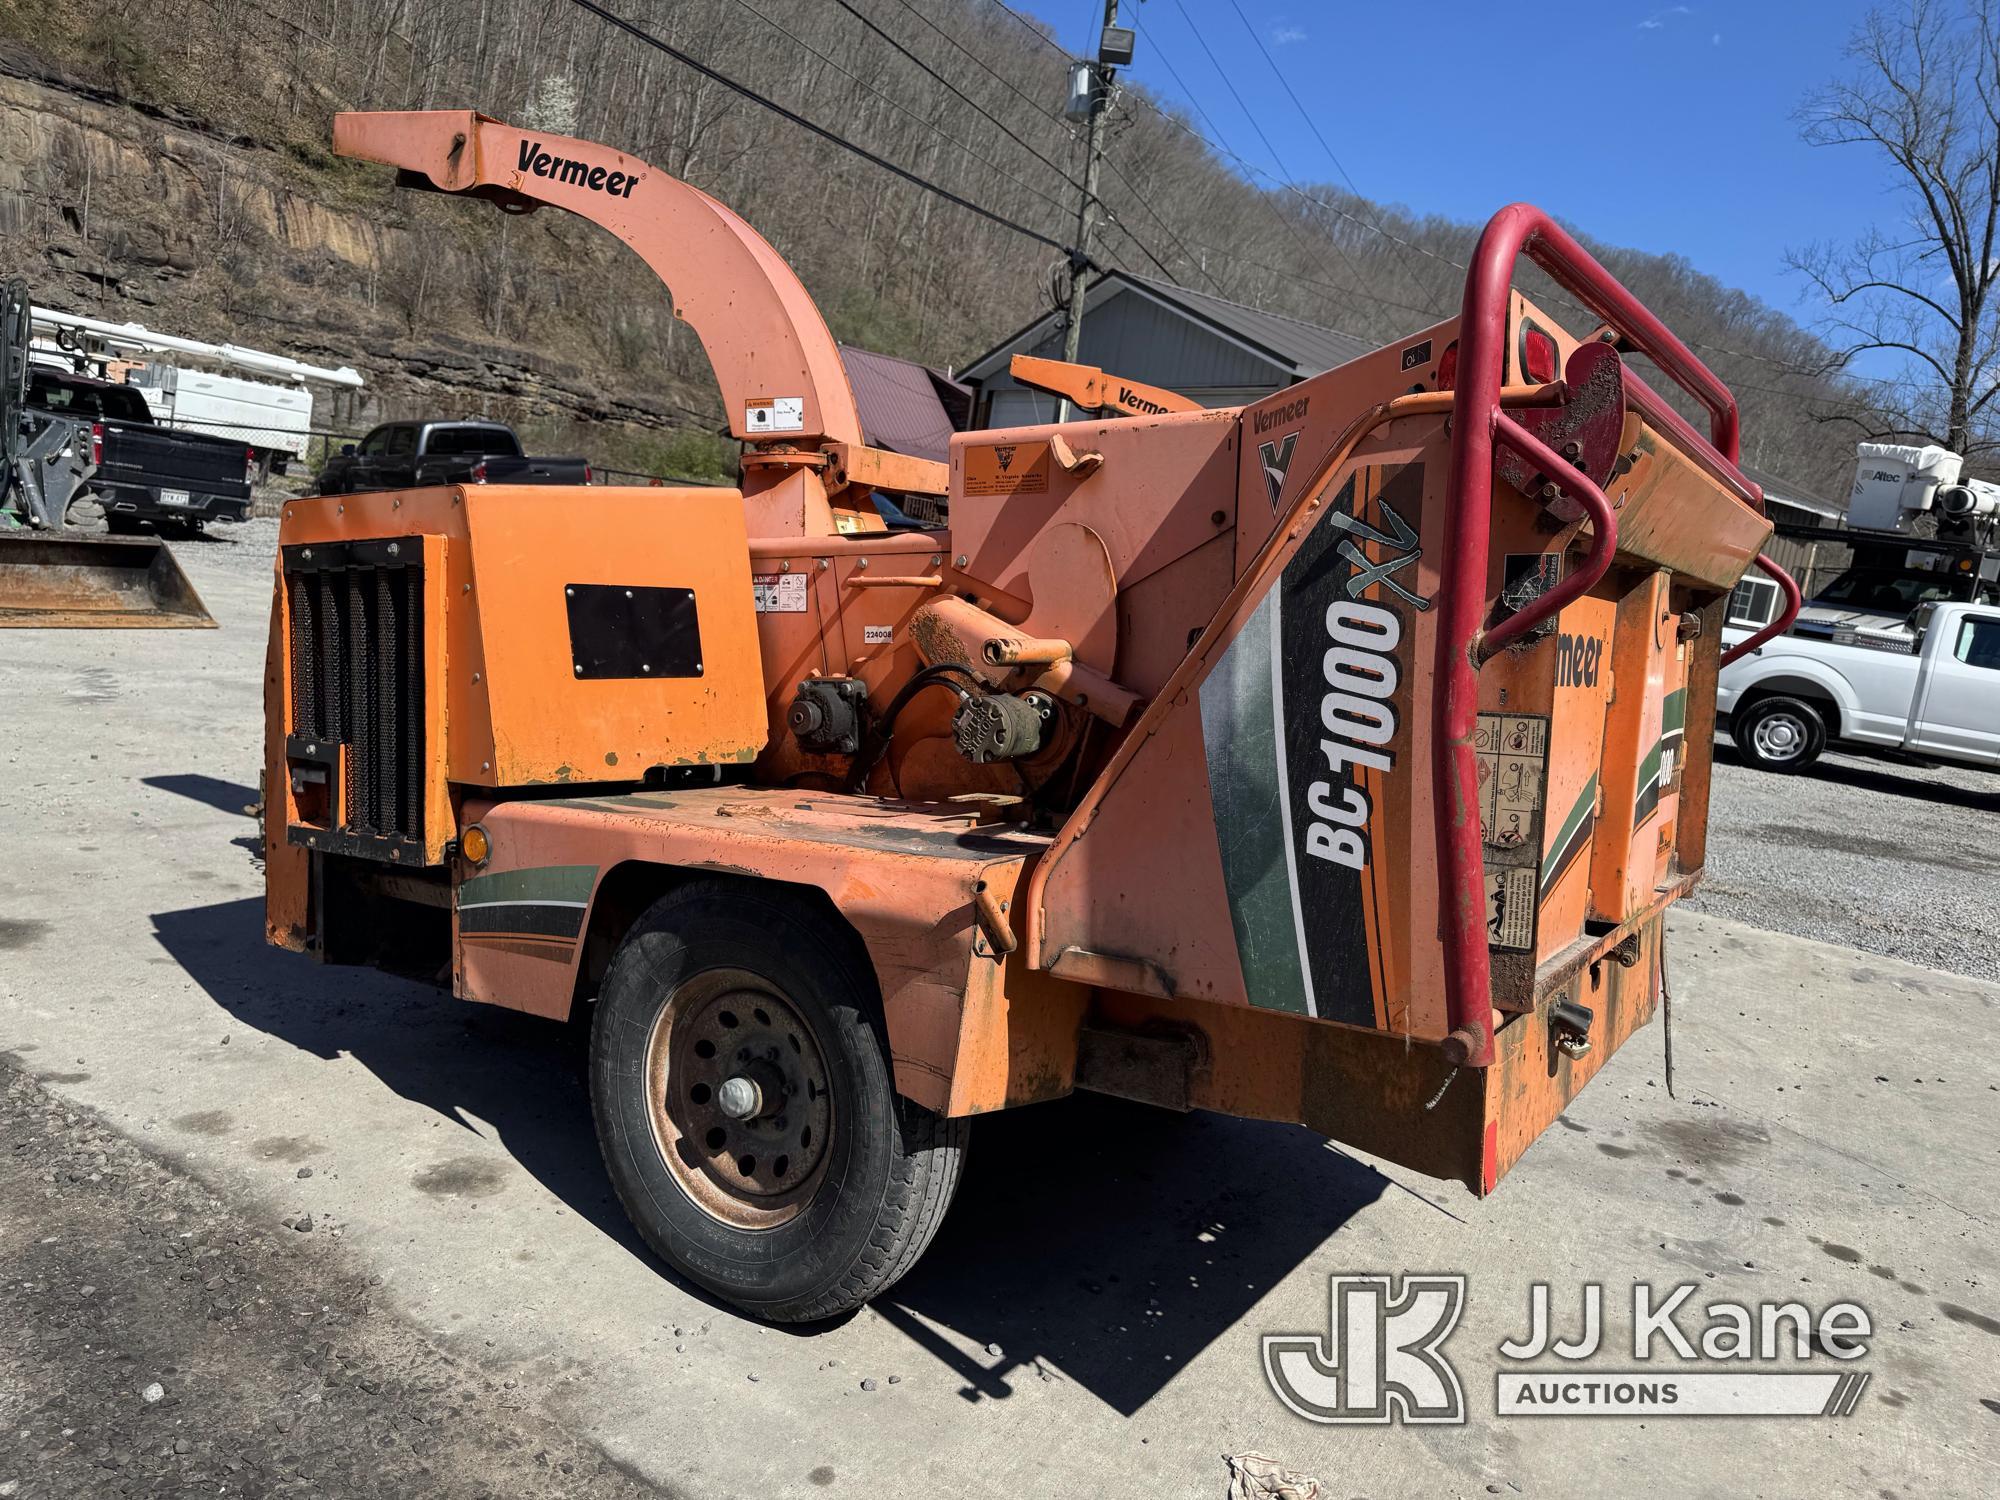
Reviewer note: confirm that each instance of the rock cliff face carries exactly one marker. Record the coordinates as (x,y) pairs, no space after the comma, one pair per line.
(118,211)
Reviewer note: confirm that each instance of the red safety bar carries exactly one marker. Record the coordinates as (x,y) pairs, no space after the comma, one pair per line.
(1478,426)
(1793,600)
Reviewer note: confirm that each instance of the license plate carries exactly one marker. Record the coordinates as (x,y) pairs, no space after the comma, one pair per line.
(173,497)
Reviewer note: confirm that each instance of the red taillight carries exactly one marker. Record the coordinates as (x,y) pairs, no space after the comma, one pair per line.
(1448,367)
(96,443)
(1538,356)
(249,465)
(586,475)
(479,472)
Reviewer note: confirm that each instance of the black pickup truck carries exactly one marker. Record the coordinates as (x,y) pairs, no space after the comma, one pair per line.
(145,472)
(409,455)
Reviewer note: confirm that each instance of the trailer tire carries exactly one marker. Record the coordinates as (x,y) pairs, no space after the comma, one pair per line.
(712,963)
(1778,733)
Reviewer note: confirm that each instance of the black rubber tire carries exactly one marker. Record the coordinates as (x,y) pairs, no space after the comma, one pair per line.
(1752,728)
(891,1165)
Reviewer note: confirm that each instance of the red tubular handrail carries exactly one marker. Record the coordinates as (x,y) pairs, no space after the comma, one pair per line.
(1603,540)
(1789,586)
(1482,336)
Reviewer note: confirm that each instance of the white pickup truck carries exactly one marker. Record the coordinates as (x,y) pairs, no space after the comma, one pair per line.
(1928,686)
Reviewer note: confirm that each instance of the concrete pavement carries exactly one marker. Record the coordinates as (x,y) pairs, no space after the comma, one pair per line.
(1089,1319)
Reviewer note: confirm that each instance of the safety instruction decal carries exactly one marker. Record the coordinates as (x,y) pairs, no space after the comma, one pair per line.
(779,593)
(774,414)
(1510,908)
(1512,753)
(1007,469)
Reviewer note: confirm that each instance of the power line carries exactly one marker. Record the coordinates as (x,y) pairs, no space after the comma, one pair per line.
(1284,176)
(1313,126)
(830,136)
(982,111)
(1442,258)
(1110,218)
(988,116)
(897,104)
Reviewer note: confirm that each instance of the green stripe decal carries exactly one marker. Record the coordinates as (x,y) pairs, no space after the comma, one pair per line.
(1673,713)
(540,883)
(1239,731)
(1571,837)
(1648,796)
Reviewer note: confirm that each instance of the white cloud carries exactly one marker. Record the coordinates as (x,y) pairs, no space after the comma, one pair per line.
(1658,19)
(1284,36)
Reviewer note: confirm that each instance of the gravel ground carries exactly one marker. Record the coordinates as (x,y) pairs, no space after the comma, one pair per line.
(1880,855)
(154,1341)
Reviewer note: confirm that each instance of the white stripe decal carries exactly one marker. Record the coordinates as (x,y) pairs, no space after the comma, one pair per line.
(484,905)
(1285,796)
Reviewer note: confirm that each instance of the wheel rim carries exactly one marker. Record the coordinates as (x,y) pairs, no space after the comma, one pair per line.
(736,1087)
(1779,736)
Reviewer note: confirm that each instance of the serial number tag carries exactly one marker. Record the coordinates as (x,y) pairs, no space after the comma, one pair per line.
(173,497)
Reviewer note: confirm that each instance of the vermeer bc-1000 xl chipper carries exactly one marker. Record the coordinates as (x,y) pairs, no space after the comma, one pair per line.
(1278,760)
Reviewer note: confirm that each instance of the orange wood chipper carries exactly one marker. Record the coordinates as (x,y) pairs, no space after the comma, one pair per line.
(1288,760)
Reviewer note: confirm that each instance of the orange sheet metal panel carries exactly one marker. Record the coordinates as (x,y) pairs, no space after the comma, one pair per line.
(902,873)
(519,708)
(1293,815)
(1622,860)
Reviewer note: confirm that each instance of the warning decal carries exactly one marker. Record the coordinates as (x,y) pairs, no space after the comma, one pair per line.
(1510,908)
(1513,754)
(779,593)
(1513,758)
(1007,469)
(774,414)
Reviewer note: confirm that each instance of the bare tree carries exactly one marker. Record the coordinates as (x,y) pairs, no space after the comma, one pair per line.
(1926,94)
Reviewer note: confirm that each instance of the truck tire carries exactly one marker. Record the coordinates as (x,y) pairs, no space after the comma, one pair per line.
(1778,733)
(740,1080)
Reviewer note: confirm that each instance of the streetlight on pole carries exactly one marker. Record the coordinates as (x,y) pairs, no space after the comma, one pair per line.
(1090,96)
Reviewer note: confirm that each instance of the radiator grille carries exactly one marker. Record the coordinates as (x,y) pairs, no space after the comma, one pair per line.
(356,638)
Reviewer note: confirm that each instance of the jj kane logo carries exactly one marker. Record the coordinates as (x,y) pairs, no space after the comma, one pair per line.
(1382,1357)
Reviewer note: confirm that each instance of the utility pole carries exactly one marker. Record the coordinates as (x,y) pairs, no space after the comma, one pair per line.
(1115,47)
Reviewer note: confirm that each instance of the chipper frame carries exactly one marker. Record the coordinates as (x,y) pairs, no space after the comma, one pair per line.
(1332,759)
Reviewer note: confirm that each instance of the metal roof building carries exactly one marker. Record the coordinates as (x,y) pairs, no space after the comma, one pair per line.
(905,407)
(1219,352)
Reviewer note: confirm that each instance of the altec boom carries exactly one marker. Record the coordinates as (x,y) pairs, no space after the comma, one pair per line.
(1277,760)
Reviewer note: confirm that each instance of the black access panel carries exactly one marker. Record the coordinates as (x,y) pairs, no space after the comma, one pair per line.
(619,631)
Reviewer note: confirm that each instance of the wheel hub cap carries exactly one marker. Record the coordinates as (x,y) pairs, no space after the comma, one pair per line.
(738,1092)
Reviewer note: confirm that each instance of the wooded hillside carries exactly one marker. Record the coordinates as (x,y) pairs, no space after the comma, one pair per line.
(167,160)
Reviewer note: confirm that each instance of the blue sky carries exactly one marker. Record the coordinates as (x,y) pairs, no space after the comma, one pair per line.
(1664,127)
